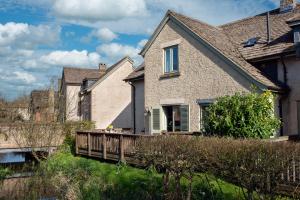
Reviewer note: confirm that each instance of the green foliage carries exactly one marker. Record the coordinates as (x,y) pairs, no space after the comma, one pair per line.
(255,166)
(242,116)
(4,172)
(69,130)
(69,177)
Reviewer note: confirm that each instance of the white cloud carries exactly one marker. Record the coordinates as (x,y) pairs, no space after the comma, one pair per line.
(98,10)
(11,31)
(142,43)
(25,77)
(115,51)
(102,34)
(71,58)
(118,50)
(27,36)
(142,16)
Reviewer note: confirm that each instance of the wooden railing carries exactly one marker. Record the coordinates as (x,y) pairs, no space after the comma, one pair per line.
(107,146)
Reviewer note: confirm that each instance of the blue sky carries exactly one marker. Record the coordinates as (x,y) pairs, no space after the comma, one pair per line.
(39,37)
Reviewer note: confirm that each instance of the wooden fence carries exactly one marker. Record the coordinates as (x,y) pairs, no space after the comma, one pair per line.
(107,146)
(121,147)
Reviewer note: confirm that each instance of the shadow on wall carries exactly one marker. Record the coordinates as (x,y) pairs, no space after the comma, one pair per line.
(124,119)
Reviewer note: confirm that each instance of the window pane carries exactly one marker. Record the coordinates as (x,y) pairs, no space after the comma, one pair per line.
(204,115)
(167,60)
(156,119)
(177,118)
(184,117)
(175,59)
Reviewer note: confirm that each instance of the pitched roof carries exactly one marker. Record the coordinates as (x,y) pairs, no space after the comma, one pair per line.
(77,75)
(217,39)
(137,74)
(109,71)
(281,34)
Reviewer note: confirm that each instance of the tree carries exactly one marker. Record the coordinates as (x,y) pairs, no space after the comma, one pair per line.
(242,116)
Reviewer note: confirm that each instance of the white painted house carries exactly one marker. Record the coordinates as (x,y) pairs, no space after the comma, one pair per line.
(107,101)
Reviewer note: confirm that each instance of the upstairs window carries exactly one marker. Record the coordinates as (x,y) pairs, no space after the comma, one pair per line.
(171,59)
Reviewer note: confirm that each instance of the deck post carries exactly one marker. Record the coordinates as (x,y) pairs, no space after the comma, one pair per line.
(104,146)
(89,144)
(76,143)
(121,148)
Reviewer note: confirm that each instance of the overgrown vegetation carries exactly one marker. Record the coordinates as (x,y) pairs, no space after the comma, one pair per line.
(256,166)
(242,116)
(67,177)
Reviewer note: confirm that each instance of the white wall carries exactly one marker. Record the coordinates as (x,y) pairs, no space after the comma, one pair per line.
(111,100)
(72,99)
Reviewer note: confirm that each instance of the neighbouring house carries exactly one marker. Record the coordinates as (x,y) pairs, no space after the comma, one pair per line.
(107,101)
(188,64)
(43,105)
(70,87)
(136,80)
(17,110)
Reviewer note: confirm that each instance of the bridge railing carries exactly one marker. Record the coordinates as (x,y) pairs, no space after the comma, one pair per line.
(108,146)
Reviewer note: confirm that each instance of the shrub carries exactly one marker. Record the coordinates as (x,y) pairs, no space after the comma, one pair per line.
(255,166)
(177,157)
(70,128)
(242,116)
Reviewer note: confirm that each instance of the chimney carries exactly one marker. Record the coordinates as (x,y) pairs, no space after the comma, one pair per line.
(102,67)
(287,5)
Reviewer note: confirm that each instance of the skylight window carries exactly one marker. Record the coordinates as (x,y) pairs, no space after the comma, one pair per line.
(251,42)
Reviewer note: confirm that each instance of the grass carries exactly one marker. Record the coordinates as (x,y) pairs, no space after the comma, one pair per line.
(92,179)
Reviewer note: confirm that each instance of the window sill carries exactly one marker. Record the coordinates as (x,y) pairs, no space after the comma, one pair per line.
(170,75)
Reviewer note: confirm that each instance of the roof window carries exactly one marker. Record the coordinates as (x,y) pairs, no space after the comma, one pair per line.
(251,42)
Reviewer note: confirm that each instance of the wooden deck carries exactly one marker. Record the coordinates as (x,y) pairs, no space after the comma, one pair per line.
(107,146)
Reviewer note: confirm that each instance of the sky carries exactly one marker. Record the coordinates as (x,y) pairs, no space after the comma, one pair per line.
(39,37)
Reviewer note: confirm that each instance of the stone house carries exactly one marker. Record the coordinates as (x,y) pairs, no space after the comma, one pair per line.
(107,101)
(188,64)
(43,105)
(70,87)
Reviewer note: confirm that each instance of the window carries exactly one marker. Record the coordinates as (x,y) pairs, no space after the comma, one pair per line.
(171,59)
(177,118)
(203,105)
(203,114)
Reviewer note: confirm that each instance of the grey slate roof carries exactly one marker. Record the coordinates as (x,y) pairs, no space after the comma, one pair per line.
(281,34)
(77,75)
(216,37)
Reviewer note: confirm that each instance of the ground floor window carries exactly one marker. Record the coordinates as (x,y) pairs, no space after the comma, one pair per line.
(173,118)
(203,115)
(203,105)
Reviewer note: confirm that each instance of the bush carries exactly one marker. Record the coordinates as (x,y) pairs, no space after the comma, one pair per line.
(242,116)
(255,166)
(69,130)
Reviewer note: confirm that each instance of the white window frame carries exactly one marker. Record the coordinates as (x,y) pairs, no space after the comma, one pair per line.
(171,59)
